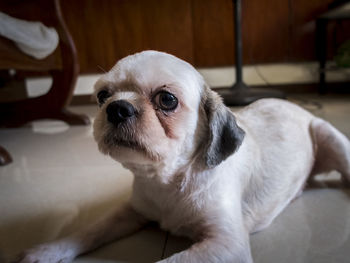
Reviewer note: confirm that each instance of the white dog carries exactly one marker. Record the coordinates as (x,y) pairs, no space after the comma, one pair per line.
(200,170)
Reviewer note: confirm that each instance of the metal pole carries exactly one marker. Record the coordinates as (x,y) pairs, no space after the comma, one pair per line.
(240,94)
(238,37)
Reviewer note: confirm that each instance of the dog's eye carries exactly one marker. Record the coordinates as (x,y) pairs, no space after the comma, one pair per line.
(166,101)
(102,96)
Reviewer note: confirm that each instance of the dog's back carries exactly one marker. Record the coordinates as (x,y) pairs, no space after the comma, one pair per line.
(292,144)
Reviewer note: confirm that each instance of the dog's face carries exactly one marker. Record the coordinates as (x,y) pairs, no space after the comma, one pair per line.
(156,108)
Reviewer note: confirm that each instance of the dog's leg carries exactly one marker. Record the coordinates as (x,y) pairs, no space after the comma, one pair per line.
(122,222)
(213,250)
(332,149)
(221,245)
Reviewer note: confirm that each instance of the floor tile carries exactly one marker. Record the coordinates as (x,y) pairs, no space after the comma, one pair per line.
(314,228)
(59,182)
(143,247)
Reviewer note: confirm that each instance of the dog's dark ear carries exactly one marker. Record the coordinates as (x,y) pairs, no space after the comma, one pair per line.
(225,136)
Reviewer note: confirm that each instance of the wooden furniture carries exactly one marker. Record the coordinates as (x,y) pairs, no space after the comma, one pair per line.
(62,66)
(5,157)
(340,13)
(198,31)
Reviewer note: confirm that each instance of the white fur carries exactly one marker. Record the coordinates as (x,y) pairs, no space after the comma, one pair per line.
(217,207)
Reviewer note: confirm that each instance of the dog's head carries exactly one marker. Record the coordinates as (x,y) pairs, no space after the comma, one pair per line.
(156,108)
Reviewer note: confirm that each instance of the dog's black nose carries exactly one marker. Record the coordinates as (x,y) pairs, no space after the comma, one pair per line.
(119,111)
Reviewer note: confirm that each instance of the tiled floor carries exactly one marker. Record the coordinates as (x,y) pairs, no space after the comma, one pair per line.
(59,181)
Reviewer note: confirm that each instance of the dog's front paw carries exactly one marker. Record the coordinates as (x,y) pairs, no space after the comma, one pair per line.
(44,254)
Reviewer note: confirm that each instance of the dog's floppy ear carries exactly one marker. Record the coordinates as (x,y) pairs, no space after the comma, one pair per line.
(225,136)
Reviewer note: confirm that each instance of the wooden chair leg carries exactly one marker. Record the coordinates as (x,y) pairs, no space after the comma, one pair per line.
(5,157)
(72,118)
(52,105)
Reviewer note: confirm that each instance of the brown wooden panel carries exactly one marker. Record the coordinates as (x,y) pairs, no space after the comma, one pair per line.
(213,32)
(199,31)
(303,21)
(105,31)
(265,31)
(167,26)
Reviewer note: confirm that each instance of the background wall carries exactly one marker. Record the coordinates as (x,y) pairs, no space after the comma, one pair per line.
(199,31)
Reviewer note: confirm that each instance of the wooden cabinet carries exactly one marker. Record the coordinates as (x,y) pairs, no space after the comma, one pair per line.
(199,31)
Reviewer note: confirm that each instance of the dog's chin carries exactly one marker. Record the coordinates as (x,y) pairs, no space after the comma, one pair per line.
(127,151)
(126,155)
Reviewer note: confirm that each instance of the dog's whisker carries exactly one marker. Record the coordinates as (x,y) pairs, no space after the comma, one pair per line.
(102,69)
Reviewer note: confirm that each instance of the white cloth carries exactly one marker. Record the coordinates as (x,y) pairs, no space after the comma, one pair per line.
(32,38)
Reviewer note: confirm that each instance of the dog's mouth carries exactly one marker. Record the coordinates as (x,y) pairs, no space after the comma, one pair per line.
(128,144)
(115,139)
(112,140)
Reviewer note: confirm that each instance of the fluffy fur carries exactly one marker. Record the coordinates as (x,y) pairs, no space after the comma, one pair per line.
(201,170)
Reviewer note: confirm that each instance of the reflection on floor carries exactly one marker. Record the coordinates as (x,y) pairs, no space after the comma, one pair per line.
(59,182)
